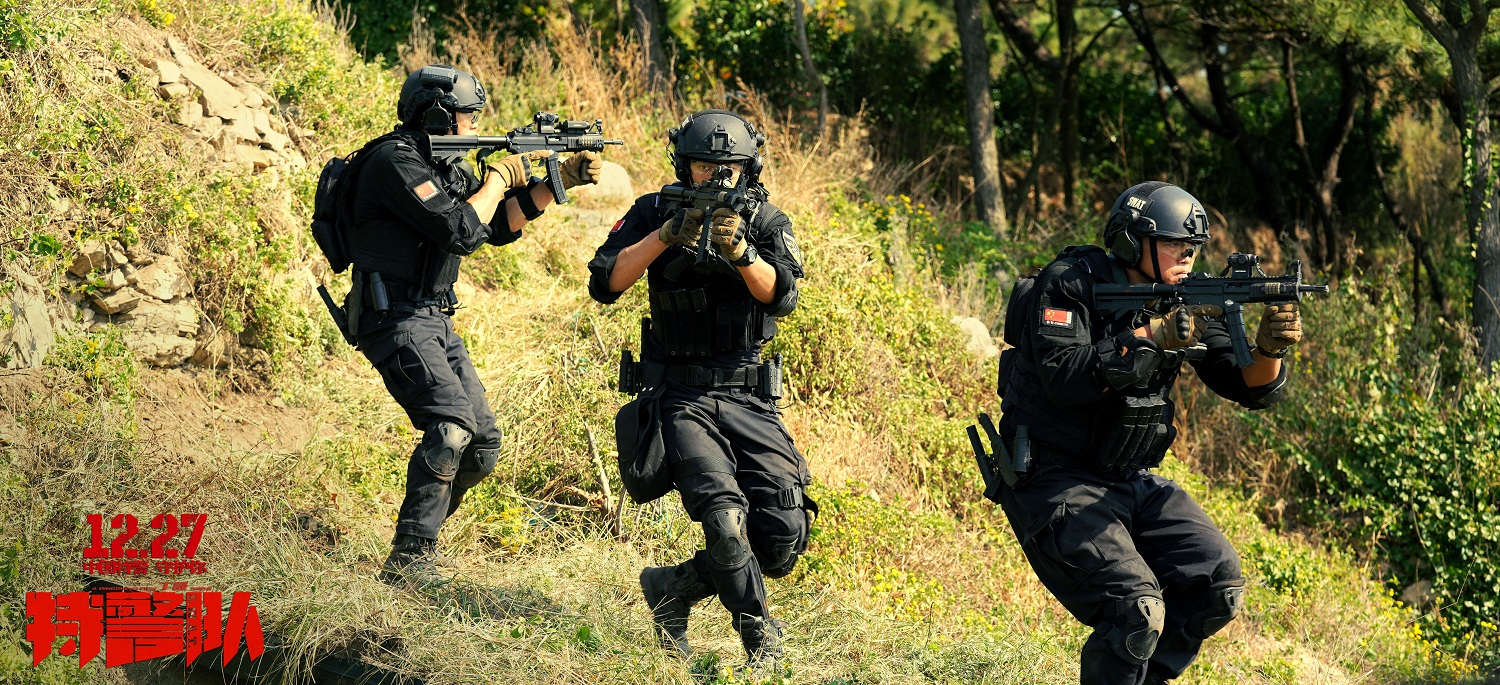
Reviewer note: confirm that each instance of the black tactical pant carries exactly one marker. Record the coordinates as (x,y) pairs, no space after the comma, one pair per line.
(427,370)
(729,450)
(1100,544)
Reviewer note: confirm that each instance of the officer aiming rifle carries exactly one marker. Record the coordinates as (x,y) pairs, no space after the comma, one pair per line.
(1098,340)
(1220,297)
(546,132)
(718,192)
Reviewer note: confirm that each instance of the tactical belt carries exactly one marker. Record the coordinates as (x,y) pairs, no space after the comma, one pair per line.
(745,376)
(788,498)
(403,293)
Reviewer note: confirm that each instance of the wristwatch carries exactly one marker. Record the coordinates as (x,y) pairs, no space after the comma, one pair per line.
(1269,354)
(748,258)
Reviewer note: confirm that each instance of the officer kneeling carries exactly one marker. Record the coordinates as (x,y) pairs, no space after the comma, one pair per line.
(705,387)
(1087,412)
(414,217)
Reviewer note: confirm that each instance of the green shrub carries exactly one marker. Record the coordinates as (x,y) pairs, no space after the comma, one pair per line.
(1405,462)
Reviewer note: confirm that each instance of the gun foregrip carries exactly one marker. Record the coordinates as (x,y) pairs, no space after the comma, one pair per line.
(555,181)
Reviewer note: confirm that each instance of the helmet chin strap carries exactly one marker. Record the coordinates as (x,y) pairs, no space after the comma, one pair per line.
(1156,262)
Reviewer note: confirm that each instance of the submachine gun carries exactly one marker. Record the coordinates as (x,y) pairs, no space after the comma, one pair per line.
(546,132)
(1241,281)
(713,194)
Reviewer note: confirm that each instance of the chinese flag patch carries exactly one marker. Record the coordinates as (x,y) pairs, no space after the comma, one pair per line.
(1061,318)
(618,224)
(425,191)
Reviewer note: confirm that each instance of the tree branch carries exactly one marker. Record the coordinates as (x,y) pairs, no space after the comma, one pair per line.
(1143,33)
(1018,30)
(1441,31)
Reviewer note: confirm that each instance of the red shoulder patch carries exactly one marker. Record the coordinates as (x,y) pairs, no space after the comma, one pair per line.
(618,224)
(1057,317)
(425,191)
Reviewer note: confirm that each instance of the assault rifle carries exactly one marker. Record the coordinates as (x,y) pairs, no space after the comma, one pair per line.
(546,132)
(713,194)
(1241,281)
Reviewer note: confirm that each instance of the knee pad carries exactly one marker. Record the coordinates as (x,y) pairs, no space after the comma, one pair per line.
(1138,626)
(725,539)
(442,448)
(778,555)
(1225,599)
(477,464)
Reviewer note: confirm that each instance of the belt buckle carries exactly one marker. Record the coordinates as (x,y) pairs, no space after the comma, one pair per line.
(789,498)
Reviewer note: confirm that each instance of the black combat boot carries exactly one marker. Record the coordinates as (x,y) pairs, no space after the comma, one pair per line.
(762,640)
(410,565)
(671,592)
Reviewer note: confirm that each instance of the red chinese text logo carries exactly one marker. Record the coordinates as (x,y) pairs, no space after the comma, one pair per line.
(138,625)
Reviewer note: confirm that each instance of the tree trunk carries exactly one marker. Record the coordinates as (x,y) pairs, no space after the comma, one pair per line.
(1471,91)
(648,24)
(1483,202)
(984,158)
(1067,99)
(814,79)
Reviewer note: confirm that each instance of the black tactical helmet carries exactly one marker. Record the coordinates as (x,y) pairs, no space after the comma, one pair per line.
(1153,210)
(432,94)
(717,135)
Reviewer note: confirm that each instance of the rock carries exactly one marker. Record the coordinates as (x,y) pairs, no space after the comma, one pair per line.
(1418,594)
(260,121)
(242,125)
(139,256)
(160,318)
(614,184)
(91,255)
(274,141)
(114,279)
(179,51)
(211,351)
(116,255)
(122,300)
(167,71)
(164,279)
(980,342)
(31,333)
(173,91)
(252,98)
(190,113)
(254,156)
(161,350)
(219,98)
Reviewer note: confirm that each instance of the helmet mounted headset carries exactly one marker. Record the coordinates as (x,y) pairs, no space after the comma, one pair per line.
(717,135)
(432,95)
(1153,210)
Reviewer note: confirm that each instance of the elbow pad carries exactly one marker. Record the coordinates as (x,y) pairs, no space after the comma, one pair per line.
(1117,371)
(1268,394)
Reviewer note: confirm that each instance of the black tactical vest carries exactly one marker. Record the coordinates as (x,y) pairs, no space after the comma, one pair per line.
(1078,430)
(386,245)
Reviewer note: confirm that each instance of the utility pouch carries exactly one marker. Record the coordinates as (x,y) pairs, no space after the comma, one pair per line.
(354,303)
(1007,369)
(1139,437)
(630,374)
(378,293)
(644,471)
(770,379)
